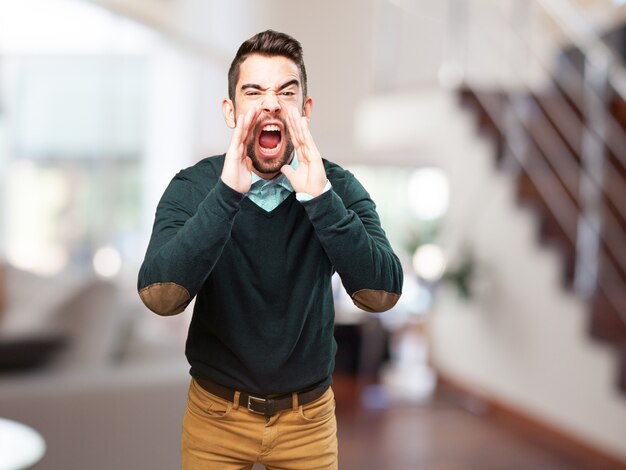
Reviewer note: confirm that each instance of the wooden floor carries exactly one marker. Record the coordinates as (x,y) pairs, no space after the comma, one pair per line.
(446,433)
(442,434)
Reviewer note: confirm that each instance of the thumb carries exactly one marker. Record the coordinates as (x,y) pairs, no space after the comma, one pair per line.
(288,172)
(248,163)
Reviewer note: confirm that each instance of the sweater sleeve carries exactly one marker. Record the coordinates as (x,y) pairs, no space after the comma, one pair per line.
(185,245)
(358,248)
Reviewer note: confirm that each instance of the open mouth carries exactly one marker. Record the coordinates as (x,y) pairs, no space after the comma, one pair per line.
(270,138)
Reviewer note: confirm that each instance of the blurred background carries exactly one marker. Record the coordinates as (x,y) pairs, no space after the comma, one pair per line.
(491,135)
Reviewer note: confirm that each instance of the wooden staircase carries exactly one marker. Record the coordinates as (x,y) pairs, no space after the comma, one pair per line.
(545,154)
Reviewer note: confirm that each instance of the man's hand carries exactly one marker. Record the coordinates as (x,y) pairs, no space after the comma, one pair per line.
(310,176)
(237,171)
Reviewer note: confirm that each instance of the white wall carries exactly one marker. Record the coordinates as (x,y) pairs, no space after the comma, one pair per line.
(522,339)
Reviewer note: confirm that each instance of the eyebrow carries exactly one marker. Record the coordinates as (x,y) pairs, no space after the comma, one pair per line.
(295,82)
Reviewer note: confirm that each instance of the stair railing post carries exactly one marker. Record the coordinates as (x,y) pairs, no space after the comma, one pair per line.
(517,109)
(453,68)
(589,228)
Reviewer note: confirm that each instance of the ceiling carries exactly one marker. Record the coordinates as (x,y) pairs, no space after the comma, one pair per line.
(359,50)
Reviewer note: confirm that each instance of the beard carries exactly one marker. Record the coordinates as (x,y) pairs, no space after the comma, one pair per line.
(270,166)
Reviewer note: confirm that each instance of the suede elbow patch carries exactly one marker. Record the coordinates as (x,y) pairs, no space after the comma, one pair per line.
(165,298)
(374,301)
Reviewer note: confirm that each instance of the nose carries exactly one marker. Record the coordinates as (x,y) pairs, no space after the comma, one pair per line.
(271,104)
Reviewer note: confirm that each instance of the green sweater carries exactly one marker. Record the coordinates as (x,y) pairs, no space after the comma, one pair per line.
(263,318)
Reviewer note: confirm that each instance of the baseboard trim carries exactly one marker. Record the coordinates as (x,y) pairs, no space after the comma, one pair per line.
(544,434)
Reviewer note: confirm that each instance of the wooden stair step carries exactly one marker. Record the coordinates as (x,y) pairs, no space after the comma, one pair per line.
(618,110)
(605,321)
(563,117)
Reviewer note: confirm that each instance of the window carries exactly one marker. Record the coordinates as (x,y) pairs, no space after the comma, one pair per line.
(72,120)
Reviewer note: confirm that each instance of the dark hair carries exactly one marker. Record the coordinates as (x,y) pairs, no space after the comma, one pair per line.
(268,43)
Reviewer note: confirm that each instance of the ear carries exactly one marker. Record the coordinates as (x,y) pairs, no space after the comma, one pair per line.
(228,109)
(307,108)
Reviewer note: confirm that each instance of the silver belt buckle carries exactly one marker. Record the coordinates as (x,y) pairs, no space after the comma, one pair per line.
(251,400)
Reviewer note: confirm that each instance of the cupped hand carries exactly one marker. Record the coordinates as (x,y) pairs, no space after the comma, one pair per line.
(237,171)
(310,176)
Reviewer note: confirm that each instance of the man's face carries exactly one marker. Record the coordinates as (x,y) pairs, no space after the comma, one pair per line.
(273,85)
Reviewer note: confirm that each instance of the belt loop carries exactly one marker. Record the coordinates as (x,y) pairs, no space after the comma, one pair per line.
(294,401)
(236,400)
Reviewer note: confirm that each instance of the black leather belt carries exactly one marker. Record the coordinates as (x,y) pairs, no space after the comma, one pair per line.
(267,406)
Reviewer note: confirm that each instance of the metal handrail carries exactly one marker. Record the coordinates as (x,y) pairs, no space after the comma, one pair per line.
(613,136)
(550,148)
(617,137)
(616,141)
(586,39)
(560,204)
(616,132)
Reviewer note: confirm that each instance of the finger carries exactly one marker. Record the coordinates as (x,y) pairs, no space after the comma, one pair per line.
(290,127)
(306,131)
(300,124)
(294,130)
(305,134)
(307,144)
(235,140)
(242,127)
(238,125)
(247,124)
(241,133)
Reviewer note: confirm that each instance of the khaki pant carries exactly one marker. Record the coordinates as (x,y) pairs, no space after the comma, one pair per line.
(218,434)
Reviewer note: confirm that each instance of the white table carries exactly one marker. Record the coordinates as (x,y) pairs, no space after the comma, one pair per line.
(21,447)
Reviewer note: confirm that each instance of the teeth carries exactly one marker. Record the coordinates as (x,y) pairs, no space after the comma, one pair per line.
(271,127)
